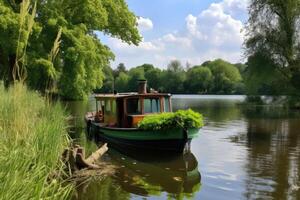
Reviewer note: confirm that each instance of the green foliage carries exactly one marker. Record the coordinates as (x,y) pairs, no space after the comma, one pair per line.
(32,138)
(121,82)
(273,38)
(225,75)
(102,188)
(260,77)
(38,70)
(77,67)
(121,68)
(179,119)
(108,81)
(175,66)
(212,77)
(172,79)
(200,80)
(135,74)
(146,67)
(154,78)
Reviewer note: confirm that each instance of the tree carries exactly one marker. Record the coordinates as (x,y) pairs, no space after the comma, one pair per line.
(241,67)
(261,80)
(135,74)
(121,68)
(79,63)
(273,38)
(153,76)
(108,81)
(199,80)
(173,78)
(225,76)
(121,82)
(146,67)
(175,66)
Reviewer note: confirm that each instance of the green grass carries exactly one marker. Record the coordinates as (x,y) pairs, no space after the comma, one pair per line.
(32,137)
(180,119)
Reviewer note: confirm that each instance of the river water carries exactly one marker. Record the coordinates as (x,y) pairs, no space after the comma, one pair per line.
(242,152)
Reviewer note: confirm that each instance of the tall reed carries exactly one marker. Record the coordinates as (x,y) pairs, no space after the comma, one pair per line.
(26,23)
(32,138)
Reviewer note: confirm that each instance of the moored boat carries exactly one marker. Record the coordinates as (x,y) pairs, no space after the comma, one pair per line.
(117,116)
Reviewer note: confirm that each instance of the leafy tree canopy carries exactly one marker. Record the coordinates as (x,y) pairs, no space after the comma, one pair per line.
(226,75)
(78,66)
(135,74)
(175,66)
(273,40)
(212,77)
(200,79)
(121,82)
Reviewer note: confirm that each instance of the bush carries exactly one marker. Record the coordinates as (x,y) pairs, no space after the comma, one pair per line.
(179,119)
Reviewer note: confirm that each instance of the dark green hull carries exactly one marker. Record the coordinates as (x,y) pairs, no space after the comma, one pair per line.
(174,140)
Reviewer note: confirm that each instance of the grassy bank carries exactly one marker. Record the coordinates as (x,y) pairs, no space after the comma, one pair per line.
(32,138)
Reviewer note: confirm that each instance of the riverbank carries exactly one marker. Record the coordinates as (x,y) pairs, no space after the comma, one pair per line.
(33,136)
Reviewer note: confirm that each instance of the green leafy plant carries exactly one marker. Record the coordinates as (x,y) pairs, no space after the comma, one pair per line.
(180,119)
(32,138)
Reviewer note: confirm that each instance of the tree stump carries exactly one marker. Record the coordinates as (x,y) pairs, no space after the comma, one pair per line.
(75,159)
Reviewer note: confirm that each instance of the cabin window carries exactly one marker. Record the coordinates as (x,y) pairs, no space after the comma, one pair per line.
(166,104)
(99,105)
(133,106)
(102,103)
(113,106)
(151,105)
(107,106)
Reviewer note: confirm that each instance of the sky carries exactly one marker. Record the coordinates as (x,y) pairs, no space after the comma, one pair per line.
(192,31)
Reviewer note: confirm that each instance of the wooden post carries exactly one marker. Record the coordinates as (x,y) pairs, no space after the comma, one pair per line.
(170,104)
(162,104)
(97,105)
(142,102)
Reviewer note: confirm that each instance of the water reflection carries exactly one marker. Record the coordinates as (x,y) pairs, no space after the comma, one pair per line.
(273,161)
(214,108)
(175,177)
(264,151)
(99,189)
(179,176)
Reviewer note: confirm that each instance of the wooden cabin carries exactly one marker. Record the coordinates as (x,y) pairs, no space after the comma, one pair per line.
(125,110)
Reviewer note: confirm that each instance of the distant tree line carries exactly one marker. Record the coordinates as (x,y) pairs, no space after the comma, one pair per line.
(211,77)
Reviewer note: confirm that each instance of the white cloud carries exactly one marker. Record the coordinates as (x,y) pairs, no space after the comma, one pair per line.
(143,47)
(191,25)
(214,33)
(235,7)
(144,24)
(216,28)
(176,40)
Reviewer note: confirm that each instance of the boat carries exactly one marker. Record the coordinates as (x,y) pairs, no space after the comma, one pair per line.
(117,116)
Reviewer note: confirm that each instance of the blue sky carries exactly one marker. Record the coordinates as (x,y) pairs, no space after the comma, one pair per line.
(191,31)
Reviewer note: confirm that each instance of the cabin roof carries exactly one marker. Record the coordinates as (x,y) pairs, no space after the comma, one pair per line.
(131,94)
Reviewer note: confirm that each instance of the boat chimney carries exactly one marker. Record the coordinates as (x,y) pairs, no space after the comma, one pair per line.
(142,86)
